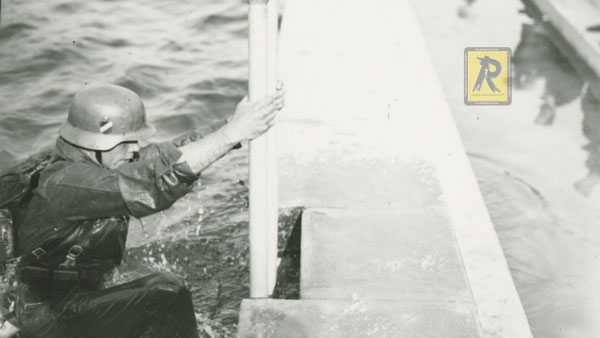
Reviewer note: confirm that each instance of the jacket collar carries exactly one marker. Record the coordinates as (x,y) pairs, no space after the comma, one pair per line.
(68,151)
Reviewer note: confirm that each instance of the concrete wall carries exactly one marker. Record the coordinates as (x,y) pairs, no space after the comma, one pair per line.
(366,127)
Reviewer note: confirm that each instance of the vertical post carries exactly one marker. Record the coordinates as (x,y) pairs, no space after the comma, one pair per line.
(258,88)
(272,174)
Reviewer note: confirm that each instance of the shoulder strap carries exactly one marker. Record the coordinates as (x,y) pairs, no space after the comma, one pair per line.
(20,180)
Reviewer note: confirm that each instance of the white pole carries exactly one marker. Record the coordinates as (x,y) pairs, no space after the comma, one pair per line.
(272,174)
(257,87)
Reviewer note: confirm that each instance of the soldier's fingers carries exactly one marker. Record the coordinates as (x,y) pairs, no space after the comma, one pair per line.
(279,103)
(271,120)
(271,110)
(271,106)
(270,113)
(262,103)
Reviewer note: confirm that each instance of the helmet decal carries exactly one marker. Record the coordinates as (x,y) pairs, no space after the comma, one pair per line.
(106,126)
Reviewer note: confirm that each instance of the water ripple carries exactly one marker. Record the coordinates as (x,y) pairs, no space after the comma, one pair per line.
(13,30)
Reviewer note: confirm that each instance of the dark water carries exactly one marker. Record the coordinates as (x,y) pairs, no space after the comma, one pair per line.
(188,62)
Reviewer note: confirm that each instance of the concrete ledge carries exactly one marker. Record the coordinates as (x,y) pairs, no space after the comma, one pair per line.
(366,121)
(343,182)
(354,319)
(381,254)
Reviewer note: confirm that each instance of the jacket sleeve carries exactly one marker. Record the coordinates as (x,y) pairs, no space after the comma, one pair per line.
(197,134)
(154,183)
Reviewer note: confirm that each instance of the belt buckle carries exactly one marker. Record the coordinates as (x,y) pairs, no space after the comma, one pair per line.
(71,259)
(75,251)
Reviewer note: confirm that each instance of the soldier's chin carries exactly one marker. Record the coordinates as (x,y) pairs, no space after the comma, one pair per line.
(135,158)
(117,165)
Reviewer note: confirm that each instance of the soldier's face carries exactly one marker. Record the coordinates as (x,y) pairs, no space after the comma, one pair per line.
(123,153)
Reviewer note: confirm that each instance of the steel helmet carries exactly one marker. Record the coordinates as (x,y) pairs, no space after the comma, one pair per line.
(102,116)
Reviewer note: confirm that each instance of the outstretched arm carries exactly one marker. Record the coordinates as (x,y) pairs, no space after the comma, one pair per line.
(250,120)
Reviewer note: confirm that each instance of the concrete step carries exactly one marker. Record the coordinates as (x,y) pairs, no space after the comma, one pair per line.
(381,254)
(268,318)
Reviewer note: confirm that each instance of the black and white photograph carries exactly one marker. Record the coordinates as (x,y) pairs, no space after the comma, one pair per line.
(300,169)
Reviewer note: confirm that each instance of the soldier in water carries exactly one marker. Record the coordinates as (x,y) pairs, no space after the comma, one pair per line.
(71,233)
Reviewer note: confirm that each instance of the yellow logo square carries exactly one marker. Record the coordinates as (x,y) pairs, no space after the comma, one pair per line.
(488,76)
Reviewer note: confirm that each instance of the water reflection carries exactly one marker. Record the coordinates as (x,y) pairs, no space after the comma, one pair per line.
(537,58)
(463,11)
(527,157)
(591,129)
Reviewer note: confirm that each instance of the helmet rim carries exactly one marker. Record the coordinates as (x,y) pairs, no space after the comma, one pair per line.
(95,141)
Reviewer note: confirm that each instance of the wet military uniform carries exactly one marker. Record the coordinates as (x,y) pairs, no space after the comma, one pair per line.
(73,234)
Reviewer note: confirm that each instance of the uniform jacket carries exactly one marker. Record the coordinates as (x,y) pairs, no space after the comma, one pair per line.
(78,202)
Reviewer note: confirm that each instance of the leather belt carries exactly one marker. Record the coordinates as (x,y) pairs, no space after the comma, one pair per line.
(38,272)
